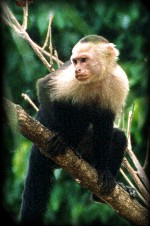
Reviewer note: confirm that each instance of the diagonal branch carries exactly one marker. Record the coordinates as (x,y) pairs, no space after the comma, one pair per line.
(11,21)
(16,118)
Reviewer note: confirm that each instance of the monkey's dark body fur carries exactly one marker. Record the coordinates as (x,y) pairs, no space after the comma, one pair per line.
(70,122)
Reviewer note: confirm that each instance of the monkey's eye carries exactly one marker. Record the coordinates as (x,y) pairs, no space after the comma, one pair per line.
(83,59)
(74,61)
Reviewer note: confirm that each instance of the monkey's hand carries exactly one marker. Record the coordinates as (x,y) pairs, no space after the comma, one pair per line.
(132,191)
(57,145)
(106,181)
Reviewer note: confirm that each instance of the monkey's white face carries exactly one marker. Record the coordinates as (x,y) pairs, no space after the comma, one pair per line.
(87,68)
(81,63)
(93,75)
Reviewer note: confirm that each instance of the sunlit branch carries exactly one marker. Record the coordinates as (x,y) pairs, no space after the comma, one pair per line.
(10,20)
(25,16)
(50,40)
(9,15)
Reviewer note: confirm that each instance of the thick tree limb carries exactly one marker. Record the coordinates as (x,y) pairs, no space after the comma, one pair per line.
(16,118)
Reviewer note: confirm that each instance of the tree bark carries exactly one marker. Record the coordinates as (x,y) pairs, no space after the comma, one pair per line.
(16,118)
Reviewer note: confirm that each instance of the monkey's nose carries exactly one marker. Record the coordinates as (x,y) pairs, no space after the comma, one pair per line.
(78,70)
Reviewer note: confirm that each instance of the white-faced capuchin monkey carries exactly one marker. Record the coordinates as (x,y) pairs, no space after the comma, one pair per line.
(81,98)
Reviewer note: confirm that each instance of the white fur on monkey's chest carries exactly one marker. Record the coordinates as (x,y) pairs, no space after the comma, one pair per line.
(66,86)
(109,92)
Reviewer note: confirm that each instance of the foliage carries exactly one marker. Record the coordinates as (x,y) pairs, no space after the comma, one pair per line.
(125,25)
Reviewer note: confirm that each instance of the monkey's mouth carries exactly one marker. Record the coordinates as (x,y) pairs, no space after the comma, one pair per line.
(80,77)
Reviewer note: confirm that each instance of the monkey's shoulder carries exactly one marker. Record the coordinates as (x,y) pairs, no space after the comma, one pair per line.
(46,84)
(120,81)
(113,90)
(45,80)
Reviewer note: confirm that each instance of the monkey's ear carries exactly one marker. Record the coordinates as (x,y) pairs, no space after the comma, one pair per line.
(112,51)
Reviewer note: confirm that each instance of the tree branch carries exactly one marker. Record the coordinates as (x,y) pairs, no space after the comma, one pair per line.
(11,21)
(16,118)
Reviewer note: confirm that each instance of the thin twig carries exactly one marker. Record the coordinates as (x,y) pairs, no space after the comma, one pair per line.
(25,16)
(138,166)
(32,44)
(138,182)
(130,117)
(57,60)
(9,14)
(141,173)
(50,40)
(47,36)
(9,23)
(13,23)
(27,98)
(48,54)
(132,185)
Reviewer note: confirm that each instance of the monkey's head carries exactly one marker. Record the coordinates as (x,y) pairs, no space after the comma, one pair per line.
(93,58)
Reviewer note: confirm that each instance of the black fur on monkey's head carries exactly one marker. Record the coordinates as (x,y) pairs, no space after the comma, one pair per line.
(95,39)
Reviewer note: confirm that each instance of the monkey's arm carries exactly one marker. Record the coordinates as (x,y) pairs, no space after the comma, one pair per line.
(47,111)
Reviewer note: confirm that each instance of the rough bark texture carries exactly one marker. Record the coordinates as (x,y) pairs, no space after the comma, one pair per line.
(16,118)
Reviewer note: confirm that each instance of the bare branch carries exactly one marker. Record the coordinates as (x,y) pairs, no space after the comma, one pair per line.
(10,20)
(9,15)
(139,168)
(57,60)
(48,55)
(27,98)
(130,117)
(137,180)
(80,170)
(141,173)
(132,185)
(50,39)
(34,46)
(25,16)
(48,33)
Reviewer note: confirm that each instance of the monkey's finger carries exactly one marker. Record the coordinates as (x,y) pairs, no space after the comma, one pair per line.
(107,183)
(58,146)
